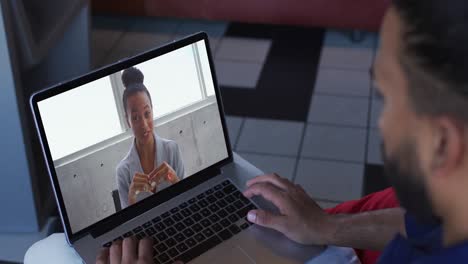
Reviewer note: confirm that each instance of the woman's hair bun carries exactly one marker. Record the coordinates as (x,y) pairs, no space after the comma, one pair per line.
(132,76)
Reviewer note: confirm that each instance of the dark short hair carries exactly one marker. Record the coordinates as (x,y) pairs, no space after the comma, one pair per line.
(132,79)
(434,55)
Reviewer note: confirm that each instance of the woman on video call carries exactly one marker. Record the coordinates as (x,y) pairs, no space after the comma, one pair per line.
(152,163)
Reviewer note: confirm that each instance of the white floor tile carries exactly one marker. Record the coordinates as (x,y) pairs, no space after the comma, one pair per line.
(283,166)
(374,153)
(335,143)
(244,49)
(339,110)
(330,180)
(270,137)
(238,74)
(214,29)
(347,58)
(233,125)
(343,82)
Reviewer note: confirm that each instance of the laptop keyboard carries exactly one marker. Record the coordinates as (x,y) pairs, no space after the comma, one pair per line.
(197,225)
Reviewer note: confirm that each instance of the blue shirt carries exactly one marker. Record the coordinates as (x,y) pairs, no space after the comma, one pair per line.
(423,245)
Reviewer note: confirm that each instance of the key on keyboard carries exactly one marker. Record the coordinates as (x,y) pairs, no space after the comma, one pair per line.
(197,225)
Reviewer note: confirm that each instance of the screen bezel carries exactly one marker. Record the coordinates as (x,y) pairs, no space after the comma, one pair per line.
(162,196)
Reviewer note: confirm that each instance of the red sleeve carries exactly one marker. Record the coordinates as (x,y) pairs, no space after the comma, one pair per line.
(375,201)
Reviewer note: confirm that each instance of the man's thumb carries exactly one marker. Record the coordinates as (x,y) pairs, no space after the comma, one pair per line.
(266,219)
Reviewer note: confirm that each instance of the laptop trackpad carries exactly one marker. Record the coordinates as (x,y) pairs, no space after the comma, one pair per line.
(226,255)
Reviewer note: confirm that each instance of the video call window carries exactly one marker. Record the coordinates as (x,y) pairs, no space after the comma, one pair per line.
(122,138)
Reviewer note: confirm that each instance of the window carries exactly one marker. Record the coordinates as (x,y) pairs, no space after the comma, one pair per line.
(80,118)
(205,66)
(92,113)
(172,81)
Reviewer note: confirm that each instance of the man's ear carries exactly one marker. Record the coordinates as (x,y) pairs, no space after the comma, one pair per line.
(449,145)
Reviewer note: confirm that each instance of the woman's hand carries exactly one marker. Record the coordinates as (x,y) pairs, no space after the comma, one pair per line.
(149,183)
(163,173)
(140,183)
(171,175)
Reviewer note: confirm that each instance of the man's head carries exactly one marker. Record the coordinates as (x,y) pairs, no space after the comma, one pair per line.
(422,73)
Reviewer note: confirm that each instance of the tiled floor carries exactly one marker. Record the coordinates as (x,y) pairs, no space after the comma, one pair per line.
(334,143)
(283,137)
(330,180)
(326,148)
(339,110)
(228,72)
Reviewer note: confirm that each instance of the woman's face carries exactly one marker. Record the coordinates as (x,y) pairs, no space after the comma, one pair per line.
(140,117)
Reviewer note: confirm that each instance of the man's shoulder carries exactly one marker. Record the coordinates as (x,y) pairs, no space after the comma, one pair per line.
(427,237)
(454,254)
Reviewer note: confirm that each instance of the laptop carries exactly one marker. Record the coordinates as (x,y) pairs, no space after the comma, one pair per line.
(98,132)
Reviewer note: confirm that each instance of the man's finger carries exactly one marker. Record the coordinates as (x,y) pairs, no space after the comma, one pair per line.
(145,250)
(129,250)
(267,219)
(274,179)
(115,252)
(103,256)
(270,193)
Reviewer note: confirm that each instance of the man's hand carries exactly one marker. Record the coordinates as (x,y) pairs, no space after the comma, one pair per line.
(300,218)
(128,251)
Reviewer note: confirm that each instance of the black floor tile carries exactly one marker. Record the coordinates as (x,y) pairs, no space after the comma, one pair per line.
(374,179)
(285,87)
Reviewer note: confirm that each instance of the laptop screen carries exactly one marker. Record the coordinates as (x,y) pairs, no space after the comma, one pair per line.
(120,139)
